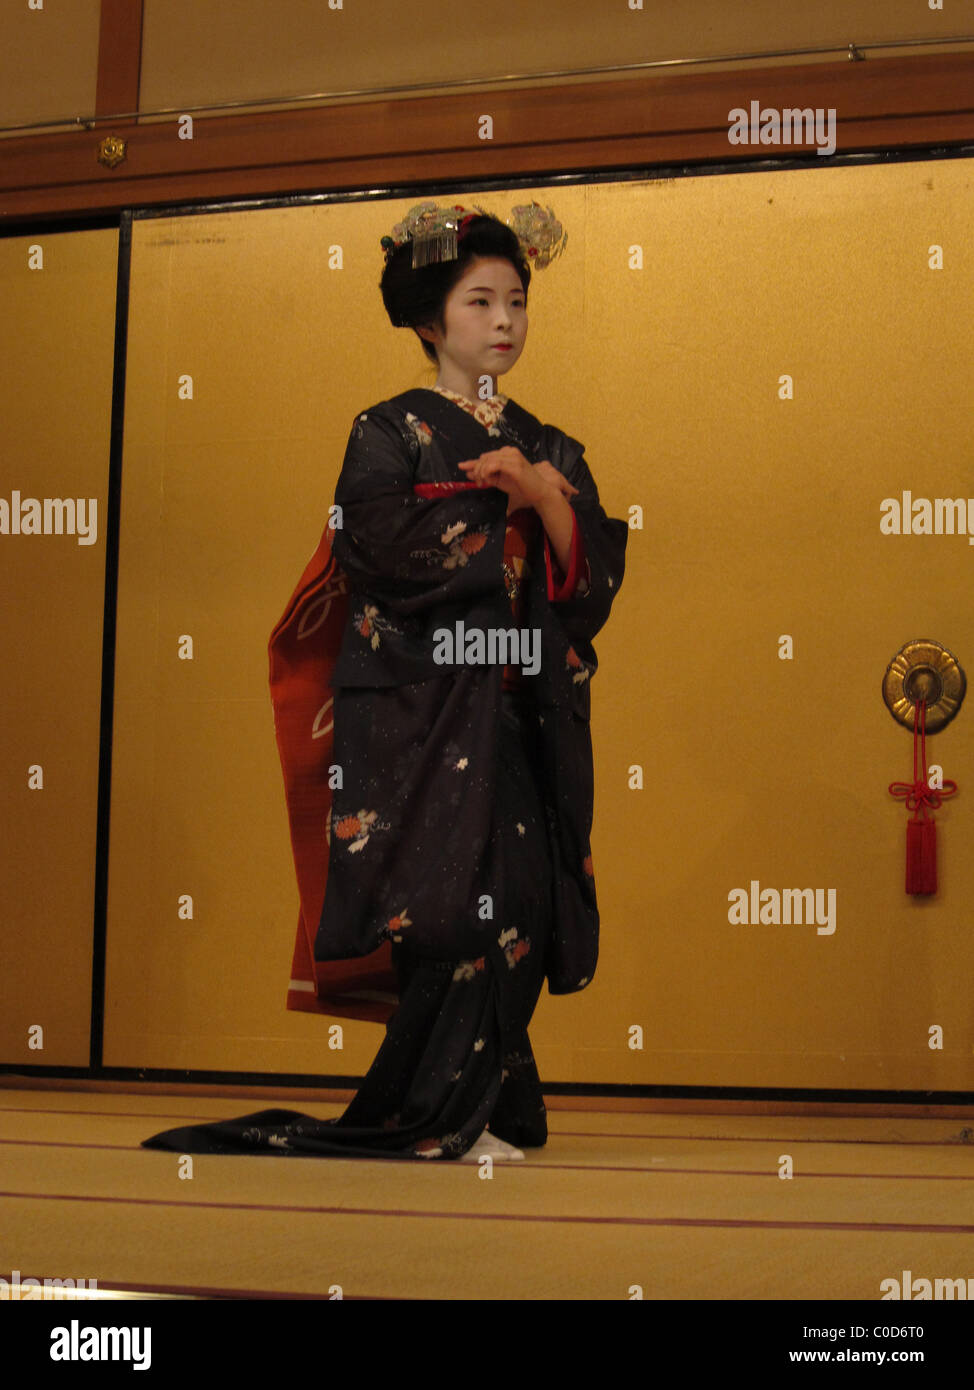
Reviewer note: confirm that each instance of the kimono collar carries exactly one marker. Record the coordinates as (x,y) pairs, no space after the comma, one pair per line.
(486,413)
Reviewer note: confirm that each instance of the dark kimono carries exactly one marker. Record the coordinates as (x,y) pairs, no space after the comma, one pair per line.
(459,872)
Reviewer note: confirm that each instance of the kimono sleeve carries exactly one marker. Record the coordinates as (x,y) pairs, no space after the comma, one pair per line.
(603,546)
(412,553)
(565,585)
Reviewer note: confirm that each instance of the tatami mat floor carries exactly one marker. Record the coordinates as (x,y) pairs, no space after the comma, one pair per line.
(684,1206)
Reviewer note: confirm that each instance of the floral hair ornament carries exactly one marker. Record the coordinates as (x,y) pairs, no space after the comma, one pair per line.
(436,232)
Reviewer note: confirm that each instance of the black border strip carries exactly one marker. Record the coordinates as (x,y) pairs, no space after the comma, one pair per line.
(96,1071)
(109,629)
(312,1081)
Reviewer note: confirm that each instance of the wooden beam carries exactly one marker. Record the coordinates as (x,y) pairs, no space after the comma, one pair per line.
(642,122)
(119,56)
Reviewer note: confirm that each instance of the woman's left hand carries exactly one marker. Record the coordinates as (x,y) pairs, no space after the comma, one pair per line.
(525,483)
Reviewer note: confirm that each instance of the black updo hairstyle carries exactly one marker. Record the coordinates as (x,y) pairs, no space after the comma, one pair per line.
(418,297)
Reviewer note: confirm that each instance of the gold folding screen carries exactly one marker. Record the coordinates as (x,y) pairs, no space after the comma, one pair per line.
(665,339)
(56,352)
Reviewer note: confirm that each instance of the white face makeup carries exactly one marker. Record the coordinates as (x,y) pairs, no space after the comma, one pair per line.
(485,308)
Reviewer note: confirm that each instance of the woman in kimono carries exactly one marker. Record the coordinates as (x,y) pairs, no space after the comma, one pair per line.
(480,566)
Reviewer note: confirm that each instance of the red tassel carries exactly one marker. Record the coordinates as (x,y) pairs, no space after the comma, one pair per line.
(921,831)
(921,857)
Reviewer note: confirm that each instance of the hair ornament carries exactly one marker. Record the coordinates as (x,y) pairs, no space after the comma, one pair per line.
(436,233)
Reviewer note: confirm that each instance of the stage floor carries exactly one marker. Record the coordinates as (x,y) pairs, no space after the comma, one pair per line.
(619,1203)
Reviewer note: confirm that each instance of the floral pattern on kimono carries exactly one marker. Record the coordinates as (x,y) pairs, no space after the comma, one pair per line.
(422,549)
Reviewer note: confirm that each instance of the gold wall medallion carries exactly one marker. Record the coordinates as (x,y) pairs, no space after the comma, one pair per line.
(924,670)
(111,151)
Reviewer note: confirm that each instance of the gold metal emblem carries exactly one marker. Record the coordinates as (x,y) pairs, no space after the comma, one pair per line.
(924,670)
(111,151)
